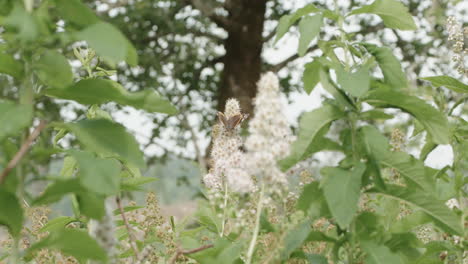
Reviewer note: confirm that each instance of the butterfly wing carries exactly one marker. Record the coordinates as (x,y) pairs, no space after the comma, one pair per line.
(234,121)
(222,119)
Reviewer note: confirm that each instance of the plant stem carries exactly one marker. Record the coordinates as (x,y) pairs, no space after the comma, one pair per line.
(257,226)
(129,230)
(224,209)
(22,151)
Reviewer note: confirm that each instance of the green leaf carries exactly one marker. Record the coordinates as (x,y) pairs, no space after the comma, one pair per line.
(295,238)
(379,254)
(108,42)
(390,66)
(393,13)
(342,189)
(9,65)
(433,121)
(74,242)
(309,126)
(411,169)
(311,76)
(12,213)
(223,251)
(341,98)
(128,209)
(287,21)
(57,223)
(443,217)
(13,118)
(374,114)
(100,91)
(355,83)
(23,23)
(53,69)
(107,138)
(101,176)
(134,184)
(68,168)
(91,204)
(448,82)
(410,222)
(319,236)
(55,191)
(309,28)
(76,13)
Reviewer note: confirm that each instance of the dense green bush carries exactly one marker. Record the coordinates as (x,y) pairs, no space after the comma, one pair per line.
(260,203)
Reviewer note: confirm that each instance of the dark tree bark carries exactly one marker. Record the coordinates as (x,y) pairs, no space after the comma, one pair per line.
(242,61)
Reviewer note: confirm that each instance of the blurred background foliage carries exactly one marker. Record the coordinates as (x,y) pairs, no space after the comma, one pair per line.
(198,53)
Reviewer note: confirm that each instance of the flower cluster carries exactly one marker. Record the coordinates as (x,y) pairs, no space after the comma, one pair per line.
(457,36)
(228,161)
(268,142)
(269,132)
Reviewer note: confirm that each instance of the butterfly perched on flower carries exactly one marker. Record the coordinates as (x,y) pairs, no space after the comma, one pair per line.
(232,122)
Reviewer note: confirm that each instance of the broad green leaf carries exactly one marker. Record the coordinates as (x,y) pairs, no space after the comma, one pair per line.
(309,28)
(295,238)
(311,76)
(390,66)
(287,21)
(101,176)
(22,22)
(338,94)
(448,82)
(355,83)
(9,65)
(379,254)
(58,223)
(107,138)
(310,258)
(433,121)
(68,168)
(309,126)
(53,69)
(437,210)
(374,114)
(283,26)
(134,184)
(100,91)
(410,222)
(319,236)
(312,201)
(74,242)
(76,13)
(55,191)
(128,209)
(223,251)
(393,13)
(342,189)
(206,216)
(410,168)
(13,118)
(91,204)
(11,212)
(108,42)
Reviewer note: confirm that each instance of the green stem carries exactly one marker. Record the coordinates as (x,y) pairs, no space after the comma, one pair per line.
(224,209)
(257,226)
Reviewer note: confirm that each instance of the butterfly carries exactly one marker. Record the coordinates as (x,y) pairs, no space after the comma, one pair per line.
(233,121)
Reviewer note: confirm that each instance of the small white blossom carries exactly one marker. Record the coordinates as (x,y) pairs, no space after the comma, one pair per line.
(270,135)
(456,36)
(227,158)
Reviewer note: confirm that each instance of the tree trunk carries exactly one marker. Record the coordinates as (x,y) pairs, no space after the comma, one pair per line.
(242,61)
